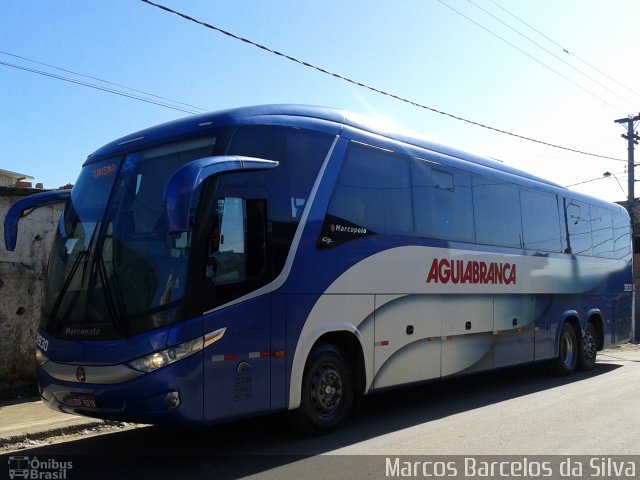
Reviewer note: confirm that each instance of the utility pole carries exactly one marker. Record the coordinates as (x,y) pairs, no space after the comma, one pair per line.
(632,141)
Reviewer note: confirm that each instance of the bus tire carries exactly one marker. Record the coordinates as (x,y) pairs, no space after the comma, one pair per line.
(327,392)
(588,348)
(565,363)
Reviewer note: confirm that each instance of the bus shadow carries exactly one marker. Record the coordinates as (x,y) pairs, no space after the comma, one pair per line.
(259,445)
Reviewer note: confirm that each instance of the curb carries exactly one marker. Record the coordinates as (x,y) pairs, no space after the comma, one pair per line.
(96,427)
(57,432)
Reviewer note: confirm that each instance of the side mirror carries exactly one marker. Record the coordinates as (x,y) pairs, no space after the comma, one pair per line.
(24,207)
(185,180)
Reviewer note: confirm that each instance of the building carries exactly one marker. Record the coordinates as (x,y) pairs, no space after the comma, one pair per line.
(13,179)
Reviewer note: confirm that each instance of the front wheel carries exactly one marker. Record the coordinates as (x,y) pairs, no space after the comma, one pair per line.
(327,392)
(588,348)
(565,363)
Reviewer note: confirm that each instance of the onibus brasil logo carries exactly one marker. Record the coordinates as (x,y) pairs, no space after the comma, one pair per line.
(36,469)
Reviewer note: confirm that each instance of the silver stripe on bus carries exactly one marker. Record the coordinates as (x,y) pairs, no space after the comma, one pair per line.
(92,374)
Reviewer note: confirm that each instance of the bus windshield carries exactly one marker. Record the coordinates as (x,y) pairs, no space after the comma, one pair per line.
(113,257)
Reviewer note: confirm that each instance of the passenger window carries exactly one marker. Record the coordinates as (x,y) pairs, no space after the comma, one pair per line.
(372,195)
(442,202)
(601,232)
(496,208)
(579,226)
(621,235)
(540,221)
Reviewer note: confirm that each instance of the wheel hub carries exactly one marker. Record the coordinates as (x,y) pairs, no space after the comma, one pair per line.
(589,346)
(568,350)
(326,391)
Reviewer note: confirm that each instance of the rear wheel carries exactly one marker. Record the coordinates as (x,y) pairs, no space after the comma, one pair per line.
(588,348)
(327,392)
(565,363)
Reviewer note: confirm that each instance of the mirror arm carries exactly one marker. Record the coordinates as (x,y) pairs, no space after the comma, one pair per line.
(186,179)
(24,207)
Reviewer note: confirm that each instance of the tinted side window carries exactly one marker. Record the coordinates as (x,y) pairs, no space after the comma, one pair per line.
(285,188)
(442,202)
(579,226)
(496,207)
(540,221)
(621,235)
(300,153)
(373,191)
(601,232)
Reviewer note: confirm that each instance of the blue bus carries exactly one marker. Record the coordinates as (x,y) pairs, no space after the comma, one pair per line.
(277,258)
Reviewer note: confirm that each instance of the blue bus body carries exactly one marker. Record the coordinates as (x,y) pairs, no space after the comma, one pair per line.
(302,257)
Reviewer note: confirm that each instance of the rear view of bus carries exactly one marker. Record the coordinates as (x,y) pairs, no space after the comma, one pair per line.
(285,257)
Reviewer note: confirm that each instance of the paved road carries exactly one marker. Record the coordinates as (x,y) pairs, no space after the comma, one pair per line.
(515,412)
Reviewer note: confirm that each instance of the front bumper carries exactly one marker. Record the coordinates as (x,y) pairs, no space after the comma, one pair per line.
(170,396)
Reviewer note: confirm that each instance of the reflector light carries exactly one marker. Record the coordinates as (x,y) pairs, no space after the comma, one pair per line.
(41,358)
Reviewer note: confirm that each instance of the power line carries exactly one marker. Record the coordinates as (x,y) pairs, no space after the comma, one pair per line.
(604,176)
(589,145)
(615,176)
(527,54)
(365,86)
(102,80)
(551,156)
(550,52)
(585,181)
(97,87)
(565,50)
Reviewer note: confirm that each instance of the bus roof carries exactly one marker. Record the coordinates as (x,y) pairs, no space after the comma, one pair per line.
(325,119)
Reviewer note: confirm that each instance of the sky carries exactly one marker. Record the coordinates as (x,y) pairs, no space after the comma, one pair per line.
(557,71)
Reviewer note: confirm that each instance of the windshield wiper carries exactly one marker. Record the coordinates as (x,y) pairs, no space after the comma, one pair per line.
(65,287)
(108,294)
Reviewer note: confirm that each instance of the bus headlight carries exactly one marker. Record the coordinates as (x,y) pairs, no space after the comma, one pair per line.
(160,359)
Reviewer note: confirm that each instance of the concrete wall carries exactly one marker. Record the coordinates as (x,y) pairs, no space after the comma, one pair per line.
(22,274)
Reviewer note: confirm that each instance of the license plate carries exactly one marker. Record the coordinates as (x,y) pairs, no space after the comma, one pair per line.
(83,400)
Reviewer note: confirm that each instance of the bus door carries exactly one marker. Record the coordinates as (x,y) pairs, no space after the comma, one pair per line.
(237,370)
